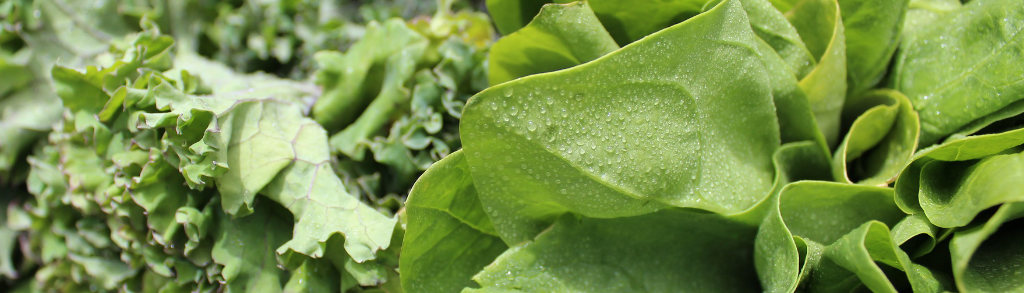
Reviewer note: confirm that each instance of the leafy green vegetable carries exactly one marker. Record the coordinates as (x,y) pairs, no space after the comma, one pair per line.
(577,140)
(825,85)
(562,36)
(872,30)
(619,146)
(630,254)
(880,142)
(985,257)
(340,105)
(625,21)
(160,150)
(445,215)
(514,13)
(956,76)
(579,164)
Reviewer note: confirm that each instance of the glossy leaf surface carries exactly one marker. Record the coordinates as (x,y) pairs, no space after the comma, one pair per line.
(583,139)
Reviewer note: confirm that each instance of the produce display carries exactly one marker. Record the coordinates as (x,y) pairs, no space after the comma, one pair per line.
(512,146)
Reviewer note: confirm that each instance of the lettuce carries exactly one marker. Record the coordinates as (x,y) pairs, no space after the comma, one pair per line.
(755,145)
(598,146)
(166,166)
(151,167)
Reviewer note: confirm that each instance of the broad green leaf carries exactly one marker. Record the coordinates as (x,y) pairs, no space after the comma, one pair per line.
(864,251)
(872,29)
(821,28)
(633,254)
(594,139)
(776,256)
(786,59)
(313,276)
(349,81)
(77,27)
(245,247)
(825,211)
(449,237)
(784,6)
(1006,119)
(510,15)
(772,26)
(915,235)
(257,145)
(629,21)
(922,14)
(908,184)
(953,193)
(880,142)
(783,56)
(398,69)
(225,82)
(987,257)
(285,157)
(813,215)
(561,36)
(626,21)
(77,91)
(964,69)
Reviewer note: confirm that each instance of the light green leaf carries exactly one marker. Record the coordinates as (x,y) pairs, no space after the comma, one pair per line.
(915,235)
(964,69)
(987,257)
(18,74)
(245,247)
(270,148)
(864,252)
(825,211)
(908,184)
(161,191)
(772,26)
(559,37)
(922,14)
(786,59)
(257,145)
(880,142)
(232,85)
(872,29)
(593,139)
(77,91)
(197,224)
(809,216)
(106,272)
(347,79)
(632,254)
(776,257)
(1006,119)
(953,193)
(626,21)
(629,21)
(398,69)
(309,188)
(8,235)
(821,28)
(313,276)
(25,116)
(513,14)
(449,237)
